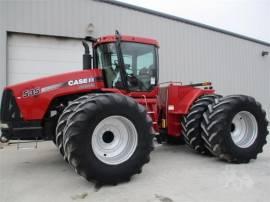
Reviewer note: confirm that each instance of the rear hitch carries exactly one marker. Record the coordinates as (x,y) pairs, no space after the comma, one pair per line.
(3,139)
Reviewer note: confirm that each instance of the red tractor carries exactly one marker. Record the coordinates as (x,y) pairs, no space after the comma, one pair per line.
(103,118)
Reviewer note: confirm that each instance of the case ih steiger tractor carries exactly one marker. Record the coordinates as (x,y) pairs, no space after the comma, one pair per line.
(103,118)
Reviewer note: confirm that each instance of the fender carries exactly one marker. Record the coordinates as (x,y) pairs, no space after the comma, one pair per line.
(179,100)
(182,97)
(34,97)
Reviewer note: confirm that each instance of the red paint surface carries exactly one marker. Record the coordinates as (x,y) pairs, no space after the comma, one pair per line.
(182,98)
(35,107)
(125,38)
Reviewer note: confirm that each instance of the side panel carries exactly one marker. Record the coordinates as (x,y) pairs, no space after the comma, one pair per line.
(34,97)
(179,100)
(149,101)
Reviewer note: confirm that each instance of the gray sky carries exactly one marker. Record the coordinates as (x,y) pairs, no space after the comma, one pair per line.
(247,17)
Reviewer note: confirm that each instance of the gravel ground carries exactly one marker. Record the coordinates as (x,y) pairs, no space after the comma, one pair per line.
(174,174)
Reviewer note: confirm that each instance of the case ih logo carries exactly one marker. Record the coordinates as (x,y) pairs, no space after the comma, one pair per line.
(84,83)
(81,81)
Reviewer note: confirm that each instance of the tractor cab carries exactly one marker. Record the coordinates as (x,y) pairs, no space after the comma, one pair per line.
(128,63)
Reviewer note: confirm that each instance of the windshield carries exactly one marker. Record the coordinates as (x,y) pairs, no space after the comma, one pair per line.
(140,65)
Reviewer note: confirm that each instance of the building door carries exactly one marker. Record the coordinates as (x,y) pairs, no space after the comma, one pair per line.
(32,56)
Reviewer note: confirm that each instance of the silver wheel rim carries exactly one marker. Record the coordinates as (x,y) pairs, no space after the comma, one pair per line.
(244,129)
(114,140)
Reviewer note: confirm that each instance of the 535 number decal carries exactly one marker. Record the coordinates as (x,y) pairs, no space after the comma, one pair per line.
(31,92)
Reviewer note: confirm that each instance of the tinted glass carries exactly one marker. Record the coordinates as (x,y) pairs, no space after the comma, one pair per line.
(140,65)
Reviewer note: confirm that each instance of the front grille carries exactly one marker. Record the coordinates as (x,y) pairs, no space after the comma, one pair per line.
(9,108)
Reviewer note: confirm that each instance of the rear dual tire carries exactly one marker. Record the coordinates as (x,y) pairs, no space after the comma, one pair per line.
(235,128)
(191,123)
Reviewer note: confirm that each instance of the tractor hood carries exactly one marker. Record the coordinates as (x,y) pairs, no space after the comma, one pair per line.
(33,97)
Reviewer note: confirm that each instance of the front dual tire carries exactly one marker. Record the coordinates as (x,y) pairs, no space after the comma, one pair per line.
(107,138)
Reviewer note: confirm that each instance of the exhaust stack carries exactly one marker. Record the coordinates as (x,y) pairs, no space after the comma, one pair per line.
(87,58)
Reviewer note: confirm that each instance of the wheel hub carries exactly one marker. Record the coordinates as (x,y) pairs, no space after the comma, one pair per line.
(114,140)
(108,137)
(244,129)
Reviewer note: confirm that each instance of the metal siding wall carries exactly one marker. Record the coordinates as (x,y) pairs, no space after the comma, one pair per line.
(188,53)
(3,47)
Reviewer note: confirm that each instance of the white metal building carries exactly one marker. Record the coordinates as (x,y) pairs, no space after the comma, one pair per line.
(42,37)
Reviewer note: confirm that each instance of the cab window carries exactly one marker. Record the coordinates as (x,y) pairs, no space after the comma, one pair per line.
(140,65)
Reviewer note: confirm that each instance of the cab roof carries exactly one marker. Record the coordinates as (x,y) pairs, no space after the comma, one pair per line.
(126,38)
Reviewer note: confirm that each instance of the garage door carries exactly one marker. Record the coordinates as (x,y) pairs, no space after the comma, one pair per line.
(31,56)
